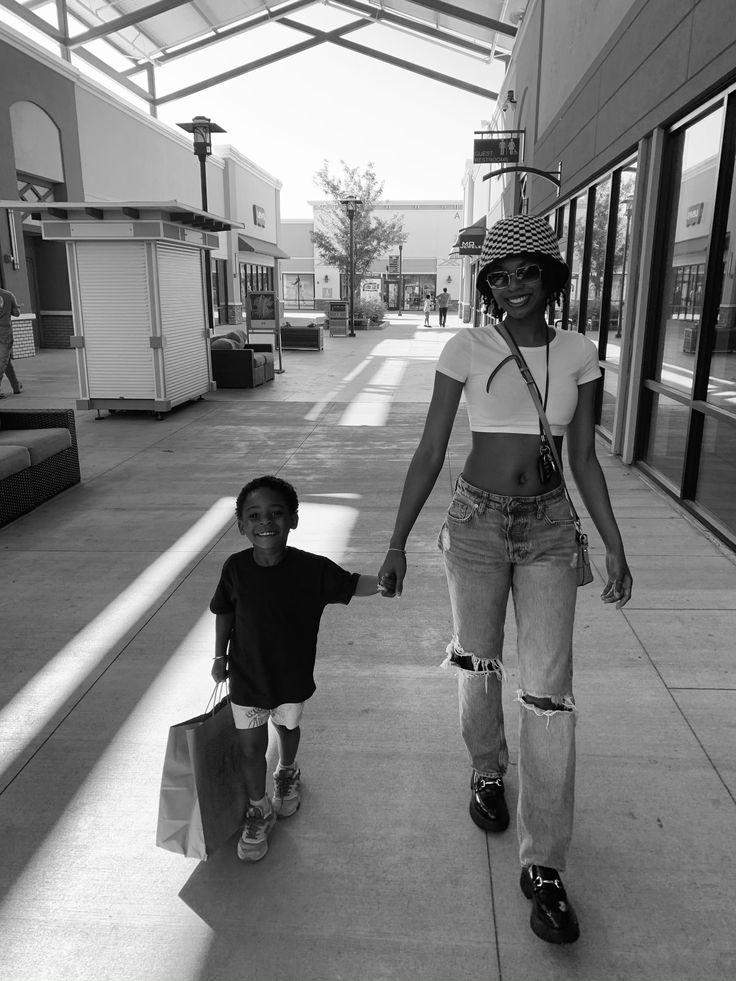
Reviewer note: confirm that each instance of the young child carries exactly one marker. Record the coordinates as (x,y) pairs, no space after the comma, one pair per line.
(267,607)
(427,309)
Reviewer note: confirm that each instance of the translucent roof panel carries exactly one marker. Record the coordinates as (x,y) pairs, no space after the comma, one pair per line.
(142,33)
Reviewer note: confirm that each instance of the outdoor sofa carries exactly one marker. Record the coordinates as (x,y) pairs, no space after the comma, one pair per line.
(38,458)
(237,364)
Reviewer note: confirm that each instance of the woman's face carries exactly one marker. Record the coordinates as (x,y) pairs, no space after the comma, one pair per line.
(525,293)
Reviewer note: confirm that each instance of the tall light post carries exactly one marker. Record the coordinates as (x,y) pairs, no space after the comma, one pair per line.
(202,129)
(351,205)
(401,283)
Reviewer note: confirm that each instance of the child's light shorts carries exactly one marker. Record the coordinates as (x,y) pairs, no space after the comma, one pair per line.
(247,717)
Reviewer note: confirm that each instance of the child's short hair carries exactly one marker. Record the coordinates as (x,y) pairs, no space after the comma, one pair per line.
(282,487)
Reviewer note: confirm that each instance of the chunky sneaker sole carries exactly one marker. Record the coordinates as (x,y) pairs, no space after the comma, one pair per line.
(546,902)
(287,797)
(253,843)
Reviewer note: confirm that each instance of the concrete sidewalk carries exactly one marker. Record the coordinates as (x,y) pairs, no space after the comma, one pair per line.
(107,641)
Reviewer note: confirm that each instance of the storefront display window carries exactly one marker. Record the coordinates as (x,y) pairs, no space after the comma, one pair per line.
(692,442)
(694,155)
(667,435)
(298,290)
(576,260)
(597,257)
(620,273)
(254,278)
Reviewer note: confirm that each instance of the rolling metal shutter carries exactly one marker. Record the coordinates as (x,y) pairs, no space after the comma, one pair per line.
(116,305)
(183,322)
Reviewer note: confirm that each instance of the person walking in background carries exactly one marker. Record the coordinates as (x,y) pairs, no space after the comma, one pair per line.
(509,529)
(427,309)
(8,308)
(443,302)
(267,606)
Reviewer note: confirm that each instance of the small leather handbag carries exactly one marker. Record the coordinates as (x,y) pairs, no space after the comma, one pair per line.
(584,571)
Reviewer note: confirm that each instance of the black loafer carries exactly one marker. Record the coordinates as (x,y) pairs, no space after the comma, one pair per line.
(488,803)
(553,919)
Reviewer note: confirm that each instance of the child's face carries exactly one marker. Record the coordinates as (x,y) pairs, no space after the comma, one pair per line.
(265,520)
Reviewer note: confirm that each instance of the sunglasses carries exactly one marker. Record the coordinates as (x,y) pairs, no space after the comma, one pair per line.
(501,280)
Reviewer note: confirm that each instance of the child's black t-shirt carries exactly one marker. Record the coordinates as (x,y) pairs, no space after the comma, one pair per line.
(277,612)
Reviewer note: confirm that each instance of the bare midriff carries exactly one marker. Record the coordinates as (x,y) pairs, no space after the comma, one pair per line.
(507,464)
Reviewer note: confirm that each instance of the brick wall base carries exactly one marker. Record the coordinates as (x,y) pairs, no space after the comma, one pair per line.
(24,344)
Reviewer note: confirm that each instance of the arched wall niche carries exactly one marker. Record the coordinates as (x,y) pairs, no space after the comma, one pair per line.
(36,142)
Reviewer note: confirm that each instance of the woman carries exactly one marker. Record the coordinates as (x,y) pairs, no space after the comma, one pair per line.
(509,528)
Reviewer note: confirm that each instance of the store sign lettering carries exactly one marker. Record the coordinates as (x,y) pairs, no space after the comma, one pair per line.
(470,244)
(503,149)
(259,216)
(694,214)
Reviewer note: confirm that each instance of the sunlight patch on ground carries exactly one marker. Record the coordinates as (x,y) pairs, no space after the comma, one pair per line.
(324,528)
(374,404)
(112,818)
(76,665)
(380,387)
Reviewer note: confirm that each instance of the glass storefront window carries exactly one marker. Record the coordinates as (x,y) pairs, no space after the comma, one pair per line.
(298,290)
(576,259)
(610,394)
(697,148)
(597,268)
(722,379)
(621,263)
(667,435)
(254,278)
(718,470)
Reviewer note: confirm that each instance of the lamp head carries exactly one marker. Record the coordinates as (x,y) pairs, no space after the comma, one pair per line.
(351,205)
(201,129)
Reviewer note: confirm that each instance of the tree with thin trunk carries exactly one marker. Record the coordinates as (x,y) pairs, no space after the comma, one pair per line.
(372,236)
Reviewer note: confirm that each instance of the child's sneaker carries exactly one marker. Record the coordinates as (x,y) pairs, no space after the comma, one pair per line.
(253,843)
(286,791)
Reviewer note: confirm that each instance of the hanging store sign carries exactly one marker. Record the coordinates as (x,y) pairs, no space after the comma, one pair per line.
(470,241)
(393,263)
(499,148)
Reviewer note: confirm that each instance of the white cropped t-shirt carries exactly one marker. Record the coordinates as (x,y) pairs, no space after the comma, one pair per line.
(473,354)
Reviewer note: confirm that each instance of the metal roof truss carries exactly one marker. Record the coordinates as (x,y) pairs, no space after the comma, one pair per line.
(141,35)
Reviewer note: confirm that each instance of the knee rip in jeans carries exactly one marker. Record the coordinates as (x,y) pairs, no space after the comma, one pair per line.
(546,706)
(485,666)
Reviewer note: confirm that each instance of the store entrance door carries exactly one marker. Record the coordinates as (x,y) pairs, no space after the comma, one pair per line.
(392,297)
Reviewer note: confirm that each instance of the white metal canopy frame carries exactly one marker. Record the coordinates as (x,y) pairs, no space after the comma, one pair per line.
(127,40)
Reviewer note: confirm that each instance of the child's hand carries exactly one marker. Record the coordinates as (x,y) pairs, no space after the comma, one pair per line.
(219,670)
(392,572)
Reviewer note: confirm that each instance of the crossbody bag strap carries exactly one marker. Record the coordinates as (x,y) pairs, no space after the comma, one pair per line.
(528,377)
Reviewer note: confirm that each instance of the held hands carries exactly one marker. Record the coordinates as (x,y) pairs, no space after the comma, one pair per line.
(219,670)
(392,572)
(618,587)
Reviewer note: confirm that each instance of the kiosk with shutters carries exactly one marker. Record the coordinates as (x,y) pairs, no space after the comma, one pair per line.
(136,273)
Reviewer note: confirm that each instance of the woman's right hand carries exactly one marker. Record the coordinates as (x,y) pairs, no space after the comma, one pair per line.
(392,572)
(219,670)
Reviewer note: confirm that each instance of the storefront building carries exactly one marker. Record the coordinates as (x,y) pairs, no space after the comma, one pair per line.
(635,143)
(401,279)
(68,139)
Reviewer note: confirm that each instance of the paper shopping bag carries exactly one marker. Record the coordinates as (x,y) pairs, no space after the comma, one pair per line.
(203,800)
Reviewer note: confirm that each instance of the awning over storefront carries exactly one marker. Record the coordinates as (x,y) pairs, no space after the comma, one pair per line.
(470,239)
(248,244)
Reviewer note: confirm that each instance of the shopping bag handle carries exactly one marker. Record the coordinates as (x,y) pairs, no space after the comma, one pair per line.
(214,699)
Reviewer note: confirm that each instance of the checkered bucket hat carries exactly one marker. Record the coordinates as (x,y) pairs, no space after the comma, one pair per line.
(517,235)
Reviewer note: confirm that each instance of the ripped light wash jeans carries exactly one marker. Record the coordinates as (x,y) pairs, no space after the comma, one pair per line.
(493,545)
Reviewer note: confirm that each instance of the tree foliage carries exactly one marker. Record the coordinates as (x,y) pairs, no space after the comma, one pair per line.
(372,236)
